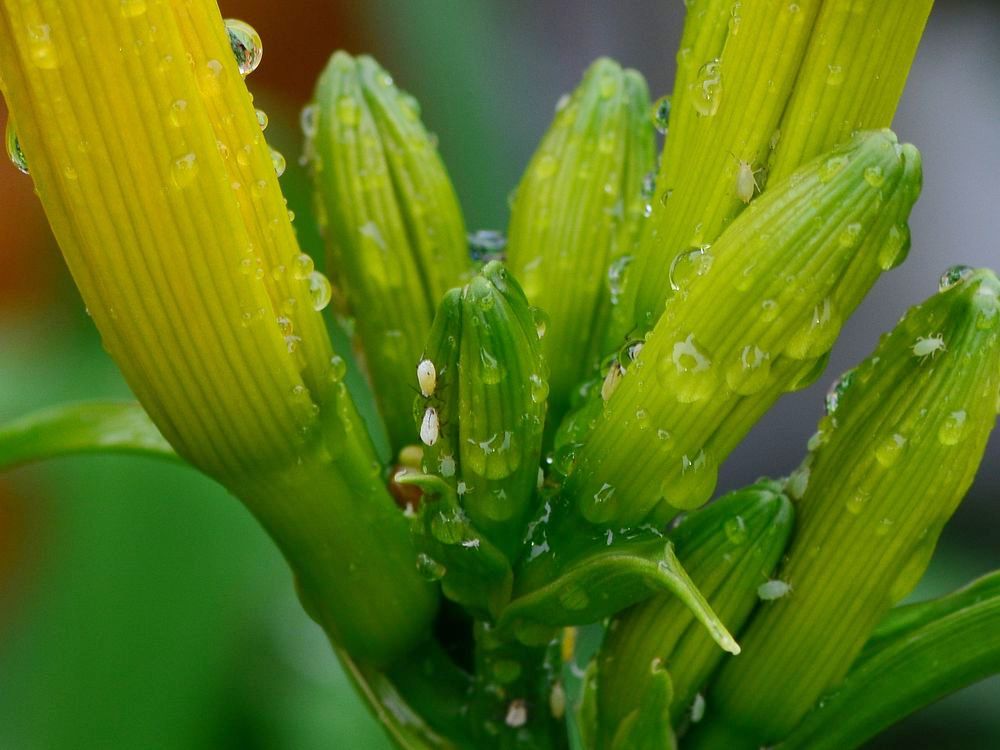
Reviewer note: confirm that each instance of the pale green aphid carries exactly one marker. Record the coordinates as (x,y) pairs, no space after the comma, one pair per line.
(746,180)
(773,589)
(928,346)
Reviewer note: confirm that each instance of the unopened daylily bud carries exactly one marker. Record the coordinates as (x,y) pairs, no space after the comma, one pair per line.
(889,467)
(148,158)
(851,77)
(729,549)
(578,208)
(752,317)
(482,423)
(393,227)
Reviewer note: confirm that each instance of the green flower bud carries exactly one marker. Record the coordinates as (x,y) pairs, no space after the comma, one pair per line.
(890,465)
(482,421)
(394,232)
(578,208)
(729,549)
(752,317)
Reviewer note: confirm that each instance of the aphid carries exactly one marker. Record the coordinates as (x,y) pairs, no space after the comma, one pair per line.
(427,378)
(773,589)
(928,346)
(746,180)
(429,426)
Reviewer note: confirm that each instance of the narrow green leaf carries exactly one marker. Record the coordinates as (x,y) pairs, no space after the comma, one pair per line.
(892,460)
(606,578)
(579,207)
(951,649)
(96,427)
(753,317)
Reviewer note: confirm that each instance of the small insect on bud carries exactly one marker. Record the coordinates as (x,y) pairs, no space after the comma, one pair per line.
(430,426)
(746,180)
(427,378)
(773,589)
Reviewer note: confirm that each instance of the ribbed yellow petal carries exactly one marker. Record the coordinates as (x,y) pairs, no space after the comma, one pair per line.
(148,158)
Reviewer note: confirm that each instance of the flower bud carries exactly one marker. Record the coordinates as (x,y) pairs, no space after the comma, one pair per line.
(578,209)
(752,317)
(890,464)
(482,424)
(729,549)
(393,227)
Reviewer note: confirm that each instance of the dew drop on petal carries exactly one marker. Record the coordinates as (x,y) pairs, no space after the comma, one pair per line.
(246,45)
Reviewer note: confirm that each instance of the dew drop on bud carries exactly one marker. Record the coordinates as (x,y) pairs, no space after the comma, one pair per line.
(246,45)
(953,277)
(320,291)
(14,149)
(661,114)
(486,245)
(706,89)
(279,162)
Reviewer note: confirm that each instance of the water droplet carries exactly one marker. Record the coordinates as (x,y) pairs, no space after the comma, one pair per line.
(40,45)
(952,429)
(337,370)
(348,111)
(541,320)
(246,45)
(574,598)
(832,167)
(687,371)
(858,501)
(874,176)
(750,371)
(320,291)
(837,391)
(302,266)
(608,85)
(819,335)
(769,310)
(491,371)
(736,530)
(884,526)
(616,278)
(430,568)
(834,75)
(506,670)
(14,149)
(895,248)
(888,451)
(539,388)
(133,8)
(184,170)
(954,276)
(278,161)
(850,235)
(262,119)
(178,114)
(661,114)
(546,167)
(706,89)
(486,245)
(689,265)
(210,78)
(642,419)
(309,120)
(699,474)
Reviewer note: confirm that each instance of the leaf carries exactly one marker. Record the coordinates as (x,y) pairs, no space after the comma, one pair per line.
(956,644)
(601,583)
(95,427)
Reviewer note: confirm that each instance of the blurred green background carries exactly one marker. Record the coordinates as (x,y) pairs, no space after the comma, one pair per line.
(141,607)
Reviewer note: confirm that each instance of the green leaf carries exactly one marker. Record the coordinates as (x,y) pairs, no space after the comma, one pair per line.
(892,460)
(95,427)
(579,208)
(753,317)
(946,645)
(604,579)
